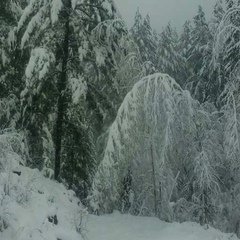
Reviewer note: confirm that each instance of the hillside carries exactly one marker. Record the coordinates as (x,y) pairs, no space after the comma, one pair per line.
(34,207)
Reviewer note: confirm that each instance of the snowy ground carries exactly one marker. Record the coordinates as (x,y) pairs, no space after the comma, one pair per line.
(33,207)
(126,227)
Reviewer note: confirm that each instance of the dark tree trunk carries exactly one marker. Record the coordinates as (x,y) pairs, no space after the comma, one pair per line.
(154,180)
(62,84)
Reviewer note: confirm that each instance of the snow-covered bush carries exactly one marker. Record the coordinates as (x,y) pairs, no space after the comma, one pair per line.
(6,215)
(11,150)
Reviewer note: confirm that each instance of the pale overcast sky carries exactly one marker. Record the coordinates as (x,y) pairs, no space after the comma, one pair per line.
(163,11)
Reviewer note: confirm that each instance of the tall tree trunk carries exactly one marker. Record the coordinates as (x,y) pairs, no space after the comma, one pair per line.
(153,179)
(62,84)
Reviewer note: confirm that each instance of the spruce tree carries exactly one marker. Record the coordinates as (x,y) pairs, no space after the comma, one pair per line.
(184,48)
(11,61)
(145,38)
(72,54)
(170,60)
(200,56)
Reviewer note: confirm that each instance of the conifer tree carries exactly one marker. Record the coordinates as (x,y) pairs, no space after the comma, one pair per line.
(11,61)
(145,38)
(10,13)
(184,49)
(226,50)
(228,43)
(170,60)
(218,13)
(72,49)
(200,56)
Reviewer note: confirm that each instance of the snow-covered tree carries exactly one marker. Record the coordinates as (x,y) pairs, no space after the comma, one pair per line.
(147,139)
(185,39)
(230,166)
(200,57)
(170,60)
(218,13)
(10,61)
(205,179)
(226,42)
(145,38)
(130,69)
(184,50)
(72,49)
(225,57)
(11,11)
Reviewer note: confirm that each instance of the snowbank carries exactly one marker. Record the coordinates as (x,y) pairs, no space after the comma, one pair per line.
(34,207)
(127,227)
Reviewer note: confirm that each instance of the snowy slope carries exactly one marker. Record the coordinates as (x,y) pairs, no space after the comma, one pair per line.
(126,227)
(34,207)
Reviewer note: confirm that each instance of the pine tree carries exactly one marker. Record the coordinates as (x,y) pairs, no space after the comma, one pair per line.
(11,61)
(10,13)
(218,13)
(226,48)
(200,56)
(184,49)
(200,38)
(170,60)
(185,39)
(225,55)
(217,78)
(72,54)
(145,38)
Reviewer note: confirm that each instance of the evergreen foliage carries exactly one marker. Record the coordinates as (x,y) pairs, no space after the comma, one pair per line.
(145,38)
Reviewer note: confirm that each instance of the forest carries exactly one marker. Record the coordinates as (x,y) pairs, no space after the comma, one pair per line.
(134,120)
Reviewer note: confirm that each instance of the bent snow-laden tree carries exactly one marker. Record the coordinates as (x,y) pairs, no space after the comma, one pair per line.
(153,136)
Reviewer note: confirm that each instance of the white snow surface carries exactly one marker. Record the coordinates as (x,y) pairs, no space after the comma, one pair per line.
(26,202)
(29,200)
(126,227)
